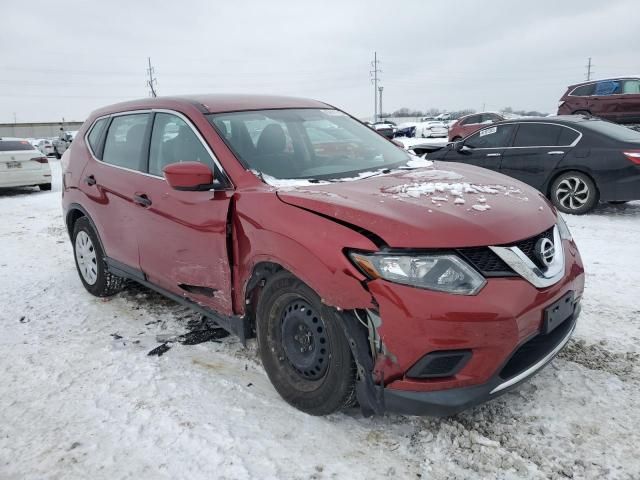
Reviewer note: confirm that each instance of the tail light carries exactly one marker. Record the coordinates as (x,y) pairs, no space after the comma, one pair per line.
(633,155)
(40,160)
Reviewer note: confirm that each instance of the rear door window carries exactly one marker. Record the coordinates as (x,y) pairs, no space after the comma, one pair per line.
(498,136)
(124,145)
(538,135)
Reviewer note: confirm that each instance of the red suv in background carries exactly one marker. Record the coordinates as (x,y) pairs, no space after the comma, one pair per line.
(616,100)
(465,126)
(366,274)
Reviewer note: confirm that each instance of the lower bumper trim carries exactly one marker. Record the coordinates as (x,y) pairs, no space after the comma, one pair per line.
(444,403)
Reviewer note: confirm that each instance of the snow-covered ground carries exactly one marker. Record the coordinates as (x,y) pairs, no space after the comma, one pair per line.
(409,142)
(80,398)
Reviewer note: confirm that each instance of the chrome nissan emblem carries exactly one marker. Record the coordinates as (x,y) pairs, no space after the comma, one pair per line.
(545,251)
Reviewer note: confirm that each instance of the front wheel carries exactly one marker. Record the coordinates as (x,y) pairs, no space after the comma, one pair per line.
(90,261)
(45,186)
(303,348)
(574,192)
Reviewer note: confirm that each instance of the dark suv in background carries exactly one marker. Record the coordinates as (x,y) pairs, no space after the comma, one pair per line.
(617,99)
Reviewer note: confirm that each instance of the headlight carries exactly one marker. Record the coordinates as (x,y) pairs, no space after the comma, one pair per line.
(444,273)
(563,230)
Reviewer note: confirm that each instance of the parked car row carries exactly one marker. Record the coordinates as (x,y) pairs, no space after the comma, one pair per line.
(287,220)
(576,161)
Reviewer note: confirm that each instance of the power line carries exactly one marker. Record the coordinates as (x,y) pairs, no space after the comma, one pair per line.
(589,69)
(374,80)
(151,83)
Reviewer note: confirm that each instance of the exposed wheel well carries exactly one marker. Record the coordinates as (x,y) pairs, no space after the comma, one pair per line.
(261,272)
(72,217)
(567,170)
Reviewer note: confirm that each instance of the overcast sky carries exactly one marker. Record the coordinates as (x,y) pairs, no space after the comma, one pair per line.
(66,58)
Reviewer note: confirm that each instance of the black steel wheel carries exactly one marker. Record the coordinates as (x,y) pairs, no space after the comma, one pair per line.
(303,347)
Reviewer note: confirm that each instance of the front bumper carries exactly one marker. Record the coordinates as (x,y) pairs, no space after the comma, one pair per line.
(493,325)
(445,403)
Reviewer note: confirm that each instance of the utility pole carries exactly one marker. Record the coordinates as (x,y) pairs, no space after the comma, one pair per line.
(151,83)
(374,80)
(380,88)
(589,71)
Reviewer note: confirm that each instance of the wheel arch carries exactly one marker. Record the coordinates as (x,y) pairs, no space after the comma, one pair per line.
(74,212)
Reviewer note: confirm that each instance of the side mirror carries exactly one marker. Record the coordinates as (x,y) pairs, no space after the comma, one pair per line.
(461,147)
(190,176)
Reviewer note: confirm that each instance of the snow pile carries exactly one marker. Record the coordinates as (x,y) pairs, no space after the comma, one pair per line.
(80,398)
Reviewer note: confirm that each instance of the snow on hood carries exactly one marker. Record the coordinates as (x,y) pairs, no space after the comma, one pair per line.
(457,206)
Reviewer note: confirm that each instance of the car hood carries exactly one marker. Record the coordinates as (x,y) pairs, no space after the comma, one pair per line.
(447,205)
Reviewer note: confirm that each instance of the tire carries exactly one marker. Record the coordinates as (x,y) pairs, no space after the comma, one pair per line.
(574,192)
(45,186)
(90,263)
(58,156)
(582,112)
(456,139)
(320,378)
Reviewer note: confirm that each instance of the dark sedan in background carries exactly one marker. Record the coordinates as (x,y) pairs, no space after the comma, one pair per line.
(574,160)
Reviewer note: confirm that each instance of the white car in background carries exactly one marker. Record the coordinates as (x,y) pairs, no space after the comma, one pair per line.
(22,164)
(45,146)
(432,129)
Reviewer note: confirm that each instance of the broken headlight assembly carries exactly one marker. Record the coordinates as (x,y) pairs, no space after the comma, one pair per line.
(444,272)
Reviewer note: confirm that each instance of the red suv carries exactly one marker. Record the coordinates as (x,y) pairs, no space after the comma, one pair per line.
(617,100)
(366,274)
(465,126)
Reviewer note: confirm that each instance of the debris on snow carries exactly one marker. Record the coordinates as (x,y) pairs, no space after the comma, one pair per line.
(160,350)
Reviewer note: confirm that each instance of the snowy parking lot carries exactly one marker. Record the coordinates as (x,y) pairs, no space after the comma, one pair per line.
(80,397)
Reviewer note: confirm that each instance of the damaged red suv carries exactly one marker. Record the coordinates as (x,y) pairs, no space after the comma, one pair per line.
(368,275)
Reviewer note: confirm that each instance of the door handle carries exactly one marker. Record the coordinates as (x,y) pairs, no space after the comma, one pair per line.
(493,154)
(142,200)
(90,180)
(555,152)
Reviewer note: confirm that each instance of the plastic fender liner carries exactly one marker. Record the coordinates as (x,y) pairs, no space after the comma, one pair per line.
(369,397)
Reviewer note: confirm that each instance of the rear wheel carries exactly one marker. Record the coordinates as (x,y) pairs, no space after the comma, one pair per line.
(456,139)
(574,192)
(90,262)
(582,112)
(304,352)
(45,186)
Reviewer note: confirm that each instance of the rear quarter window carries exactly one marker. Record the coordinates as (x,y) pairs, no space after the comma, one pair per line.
(583,90)
(96,133)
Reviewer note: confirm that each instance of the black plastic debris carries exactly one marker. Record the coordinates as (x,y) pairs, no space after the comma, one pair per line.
(200,336)
(160,350)
(116,336)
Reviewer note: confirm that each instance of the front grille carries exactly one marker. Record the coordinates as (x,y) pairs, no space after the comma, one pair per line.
(491,265)
(528,246)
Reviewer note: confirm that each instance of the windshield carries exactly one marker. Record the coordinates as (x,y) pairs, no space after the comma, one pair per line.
(306,143)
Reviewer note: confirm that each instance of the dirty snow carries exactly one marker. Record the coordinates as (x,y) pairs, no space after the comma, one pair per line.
(80,398)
